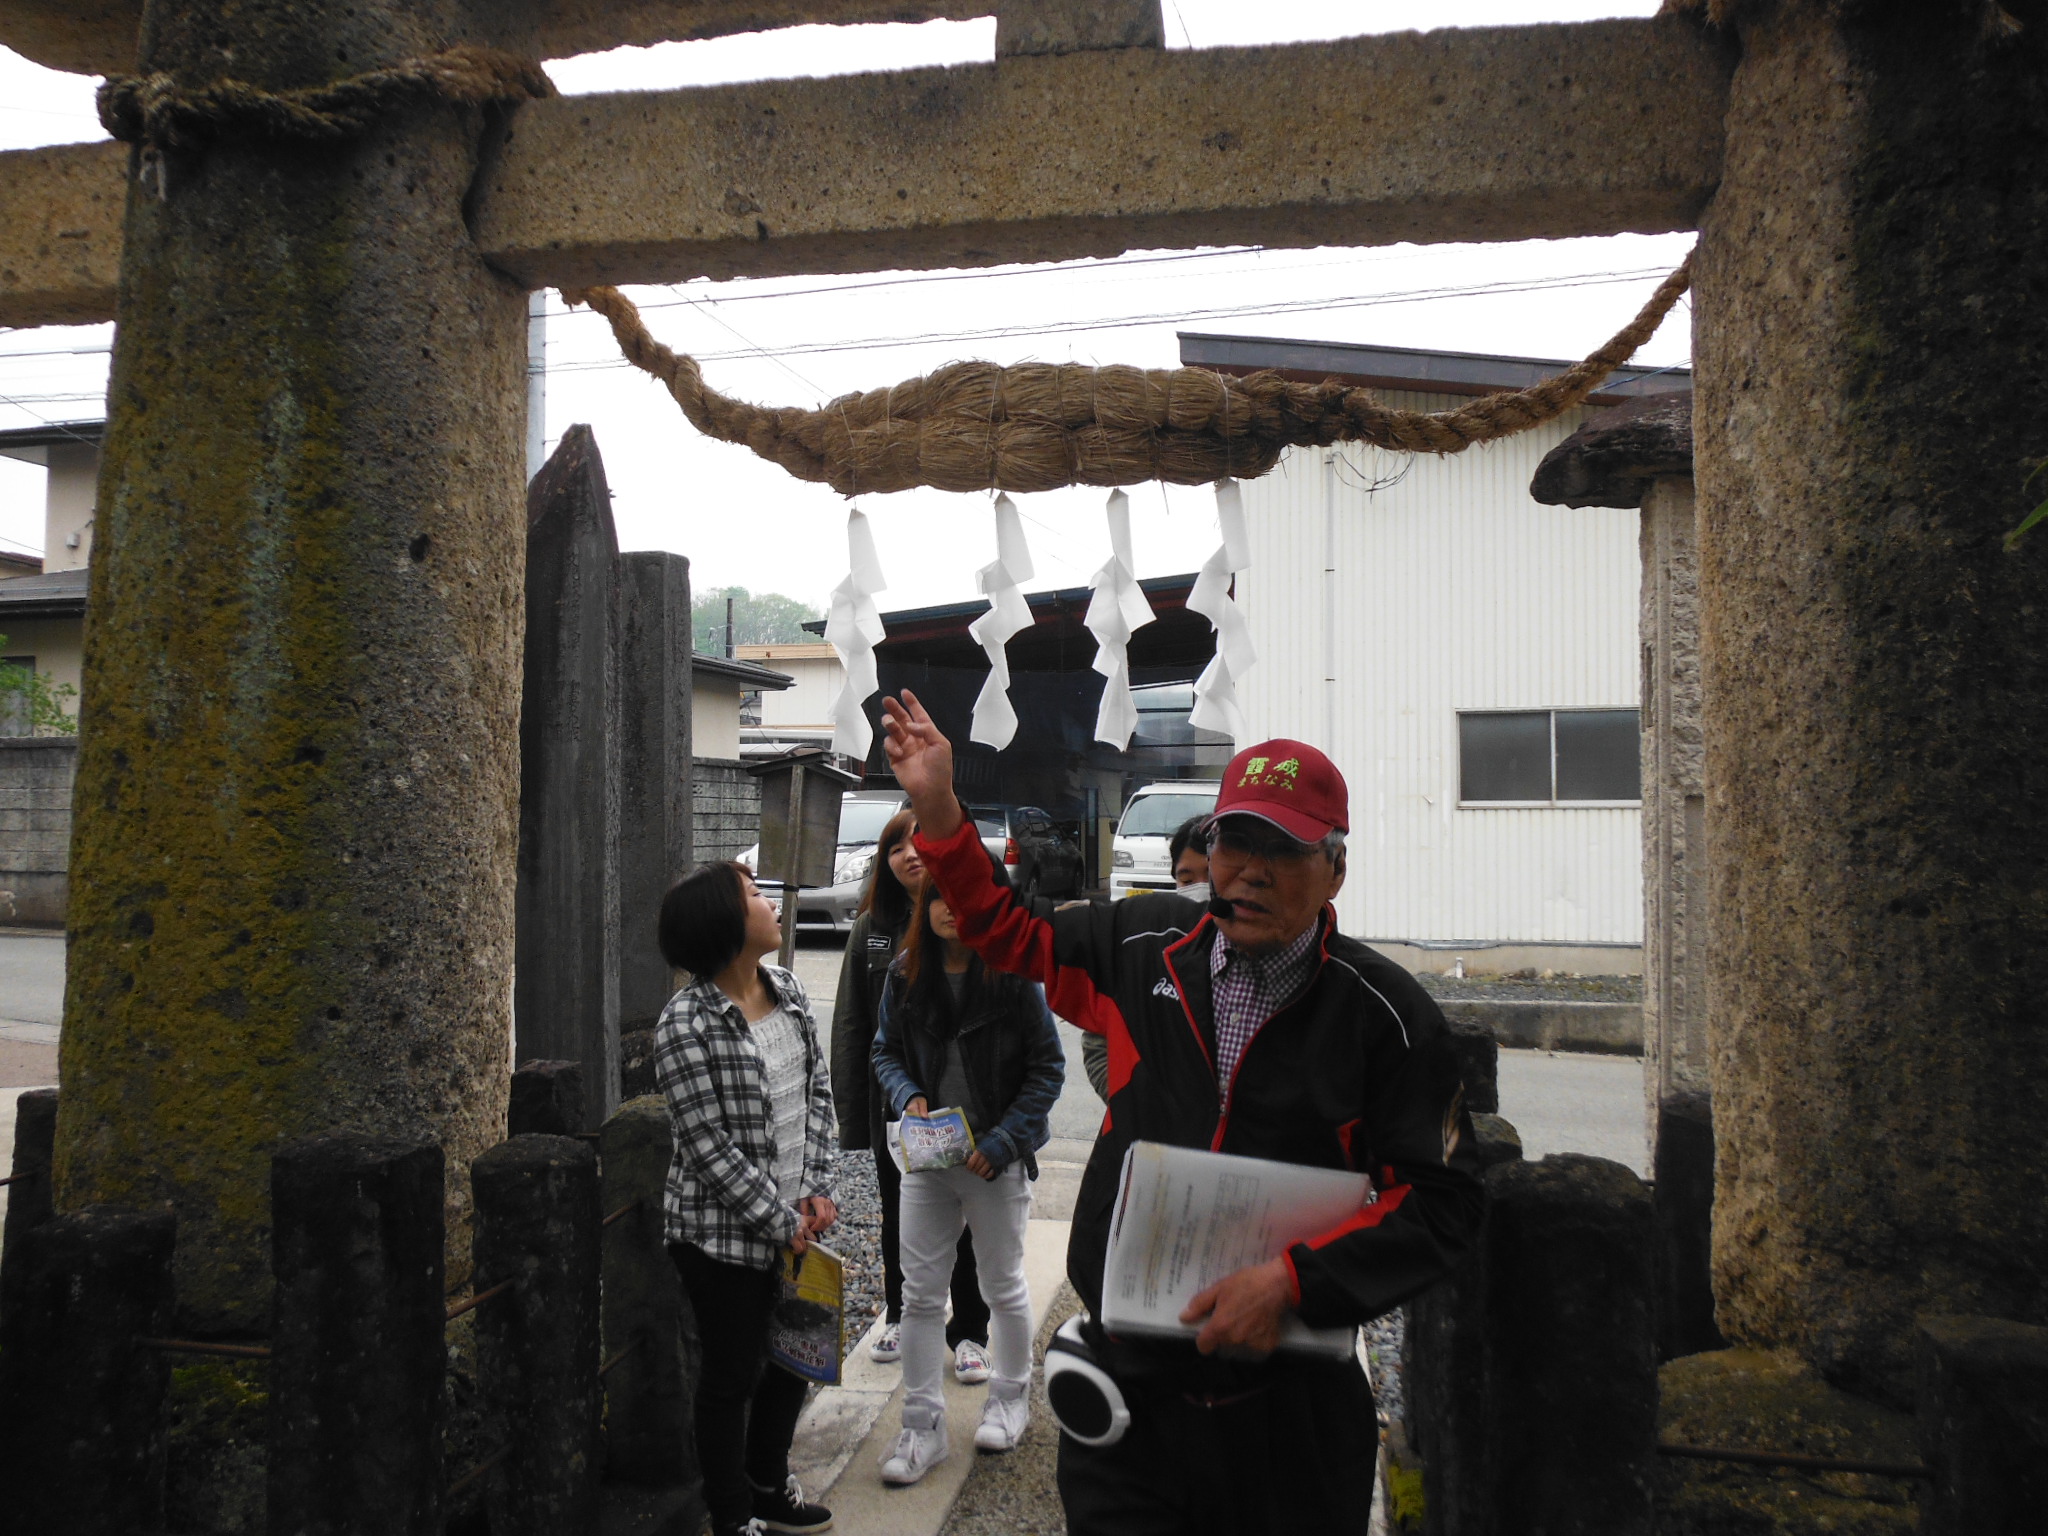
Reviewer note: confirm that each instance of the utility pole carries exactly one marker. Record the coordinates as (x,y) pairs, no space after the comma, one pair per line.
(728,627)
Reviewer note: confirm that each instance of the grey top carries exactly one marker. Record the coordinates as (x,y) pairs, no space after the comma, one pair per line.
(953,1090)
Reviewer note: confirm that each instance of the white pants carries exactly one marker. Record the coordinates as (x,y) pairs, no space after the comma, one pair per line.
(935,1205)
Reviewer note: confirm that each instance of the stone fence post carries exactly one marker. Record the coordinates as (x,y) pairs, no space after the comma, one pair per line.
(547,1099)
(1571,1348)
(1983,1426)
(1445,1370)
(537,1228)
(81,1397)
(30,1200)
(358,1357)
(647,1394)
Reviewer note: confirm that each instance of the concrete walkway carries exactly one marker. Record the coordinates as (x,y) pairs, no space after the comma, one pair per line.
(848,1429)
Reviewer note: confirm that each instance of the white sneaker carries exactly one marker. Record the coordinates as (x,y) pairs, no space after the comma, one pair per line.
(915,1453)
(888,1345)
(970,1363)
(1003,1421)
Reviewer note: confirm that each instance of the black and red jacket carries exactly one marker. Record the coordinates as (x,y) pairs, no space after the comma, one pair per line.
(1355,1073)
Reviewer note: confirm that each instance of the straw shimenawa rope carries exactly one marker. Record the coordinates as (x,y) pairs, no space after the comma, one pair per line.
(156,111)
(1040,426)
(966,427)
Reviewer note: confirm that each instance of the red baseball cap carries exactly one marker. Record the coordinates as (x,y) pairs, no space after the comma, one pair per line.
(1290,784)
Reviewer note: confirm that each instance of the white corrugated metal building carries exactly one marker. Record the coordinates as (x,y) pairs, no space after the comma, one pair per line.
(1468,658)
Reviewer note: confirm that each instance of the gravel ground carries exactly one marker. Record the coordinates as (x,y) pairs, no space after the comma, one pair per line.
(858,1241)
(1532,988)
(1383,1341)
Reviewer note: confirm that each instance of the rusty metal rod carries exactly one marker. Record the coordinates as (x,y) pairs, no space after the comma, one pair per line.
(1791,1459)
(478,1470)
(15,1177)
(479,1299)
(203,1347)
(615,1359)
(622,1212)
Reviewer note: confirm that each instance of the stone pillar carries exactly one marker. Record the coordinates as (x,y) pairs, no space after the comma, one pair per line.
(1872,357)
(81,1401)
(647,1394)
(295,807)
(358,1358)
(1674,802)
(1983,1426)
(566,1002)
(537,1226)
(654,769)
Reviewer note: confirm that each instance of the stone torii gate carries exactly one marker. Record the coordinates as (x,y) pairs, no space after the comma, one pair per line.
(296,802)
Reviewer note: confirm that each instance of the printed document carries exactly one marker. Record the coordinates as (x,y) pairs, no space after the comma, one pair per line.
(1185,1218)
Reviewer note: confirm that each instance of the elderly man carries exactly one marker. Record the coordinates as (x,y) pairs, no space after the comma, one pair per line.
(1249,1026)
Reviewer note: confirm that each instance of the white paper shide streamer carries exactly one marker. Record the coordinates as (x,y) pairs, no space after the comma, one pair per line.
(853,626)
(1002,582)
(1216,707)
(1118,609)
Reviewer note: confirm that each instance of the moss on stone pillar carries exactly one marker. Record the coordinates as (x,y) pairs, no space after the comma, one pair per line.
(1872,359)
(296,801)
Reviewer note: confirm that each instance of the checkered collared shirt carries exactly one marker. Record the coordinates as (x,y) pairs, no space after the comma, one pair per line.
(721,1193)
(1249,988)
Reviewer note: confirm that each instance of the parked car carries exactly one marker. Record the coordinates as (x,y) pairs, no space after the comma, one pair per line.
(1042,860)
(1138,857)
(862,815)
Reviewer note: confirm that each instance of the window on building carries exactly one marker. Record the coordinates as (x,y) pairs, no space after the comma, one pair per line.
(1549,757)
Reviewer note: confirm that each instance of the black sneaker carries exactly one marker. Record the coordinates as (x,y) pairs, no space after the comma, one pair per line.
(784,1509)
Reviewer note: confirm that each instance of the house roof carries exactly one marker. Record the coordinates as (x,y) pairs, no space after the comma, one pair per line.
(1443,373)
(52,595)
(32,444)
(746,673)
(802,650)
(1056,641)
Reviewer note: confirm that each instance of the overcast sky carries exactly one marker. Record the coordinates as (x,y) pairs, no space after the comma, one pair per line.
(781,340)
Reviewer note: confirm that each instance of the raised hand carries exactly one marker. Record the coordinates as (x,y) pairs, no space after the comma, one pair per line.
(922,760)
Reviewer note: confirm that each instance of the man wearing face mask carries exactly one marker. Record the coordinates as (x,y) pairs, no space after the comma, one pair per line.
(1248,1025)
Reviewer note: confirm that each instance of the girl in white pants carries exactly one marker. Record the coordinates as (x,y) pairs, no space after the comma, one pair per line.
(954,1034)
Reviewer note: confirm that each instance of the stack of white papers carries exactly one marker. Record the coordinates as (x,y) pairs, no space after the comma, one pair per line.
(1186,1218)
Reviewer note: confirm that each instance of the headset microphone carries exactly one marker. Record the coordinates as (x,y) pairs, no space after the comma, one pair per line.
(1222,906)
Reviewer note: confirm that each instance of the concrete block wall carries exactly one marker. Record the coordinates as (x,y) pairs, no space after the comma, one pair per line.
(725,809)
(35,827)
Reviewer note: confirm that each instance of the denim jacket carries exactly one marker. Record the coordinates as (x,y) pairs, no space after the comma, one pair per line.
(1008,1044)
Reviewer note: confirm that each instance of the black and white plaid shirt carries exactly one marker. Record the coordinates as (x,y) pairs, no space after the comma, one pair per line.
(721,1193)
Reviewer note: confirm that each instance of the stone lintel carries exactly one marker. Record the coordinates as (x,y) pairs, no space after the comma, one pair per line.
(1614,459)
(97,37)
(1508,133)
(60,233)
(1504,133)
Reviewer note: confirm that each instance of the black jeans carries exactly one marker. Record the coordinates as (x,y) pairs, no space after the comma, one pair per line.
(1299,1454)
(746,1408)
(970,1312)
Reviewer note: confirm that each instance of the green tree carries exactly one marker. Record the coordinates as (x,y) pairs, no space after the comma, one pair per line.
(29,699)
(758,618)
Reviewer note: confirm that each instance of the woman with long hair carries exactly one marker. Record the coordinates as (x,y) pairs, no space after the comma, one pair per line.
(877,934)
(957,1035)
(750,1100)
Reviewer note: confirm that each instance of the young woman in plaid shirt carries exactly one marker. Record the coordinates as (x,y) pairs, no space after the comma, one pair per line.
(750,1097)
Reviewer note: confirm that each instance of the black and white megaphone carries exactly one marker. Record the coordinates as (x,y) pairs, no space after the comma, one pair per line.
(1086,1401)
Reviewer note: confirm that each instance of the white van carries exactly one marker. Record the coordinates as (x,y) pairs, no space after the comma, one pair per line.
(1151,817)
